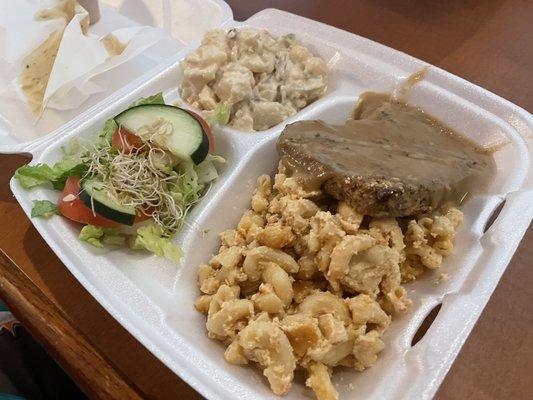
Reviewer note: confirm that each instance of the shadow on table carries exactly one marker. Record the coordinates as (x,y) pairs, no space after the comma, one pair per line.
(31,371)
(424,29)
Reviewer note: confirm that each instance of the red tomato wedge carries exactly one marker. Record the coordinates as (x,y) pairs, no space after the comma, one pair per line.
(140,217)
(73,208)
(206,129)
(125,141)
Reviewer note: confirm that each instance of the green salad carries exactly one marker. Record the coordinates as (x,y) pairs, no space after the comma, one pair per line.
(135,182)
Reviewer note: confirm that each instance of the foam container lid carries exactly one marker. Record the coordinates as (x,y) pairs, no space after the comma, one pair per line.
(184,21)
(153,297)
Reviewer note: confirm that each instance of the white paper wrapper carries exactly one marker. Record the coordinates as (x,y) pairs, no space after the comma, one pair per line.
(78,89)
(19,31)
(79,59)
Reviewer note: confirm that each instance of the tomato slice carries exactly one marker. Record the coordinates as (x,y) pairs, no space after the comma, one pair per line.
(140,217)
(74,209)
(125,141)
(206,129)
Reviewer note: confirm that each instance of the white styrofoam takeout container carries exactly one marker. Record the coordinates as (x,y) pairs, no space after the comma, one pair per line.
(179,19)
(153,298)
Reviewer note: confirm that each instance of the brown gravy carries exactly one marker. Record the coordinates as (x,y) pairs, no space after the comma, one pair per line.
(390,159)
(113,46)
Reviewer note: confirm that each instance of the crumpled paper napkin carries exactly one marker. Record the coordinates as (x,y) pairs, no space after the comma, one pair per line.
(27,31)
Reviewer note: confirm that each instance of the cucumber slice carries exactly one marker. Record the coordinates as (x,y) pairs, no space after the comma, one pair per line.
(188,139)
(94,196)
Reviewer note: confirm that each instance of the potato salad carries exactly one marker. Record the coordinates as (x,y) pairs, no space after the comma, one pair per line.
(251,80)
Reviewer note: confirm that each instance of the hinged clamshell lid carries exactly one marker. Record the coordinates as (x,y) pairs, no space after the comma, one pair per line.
(184,22)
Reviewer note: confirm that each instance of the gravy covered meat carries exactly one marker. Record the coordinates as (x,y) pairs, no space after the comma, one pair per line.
(390,159)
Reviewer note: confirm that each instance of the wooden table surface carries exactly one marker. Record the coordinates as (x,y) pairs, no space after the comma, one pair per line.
(486,42)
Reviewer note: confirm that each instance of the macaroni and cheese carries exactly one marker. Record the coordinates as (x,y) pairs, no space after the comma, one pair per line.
(313,285)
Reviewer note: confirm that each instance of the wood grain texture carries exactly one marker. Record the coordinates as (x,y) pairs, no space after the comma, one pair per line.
(487,42)
(62,340)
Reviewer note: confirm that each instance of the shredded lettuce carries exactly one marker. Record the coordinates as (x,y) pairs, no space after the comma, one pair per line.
(92,235)
(30,176)
(289,36)
(154,99)
(206,170)
(99,235)
(43,208)
(77,170)
(192,180)
(107,132)
(220,115)
(33,175)
(150,237)
(187,189)
(75,149)
(113,238)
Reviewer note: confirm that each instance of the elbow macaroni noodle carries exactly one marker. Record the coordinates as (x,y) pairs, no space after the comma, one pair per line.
(305,285)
